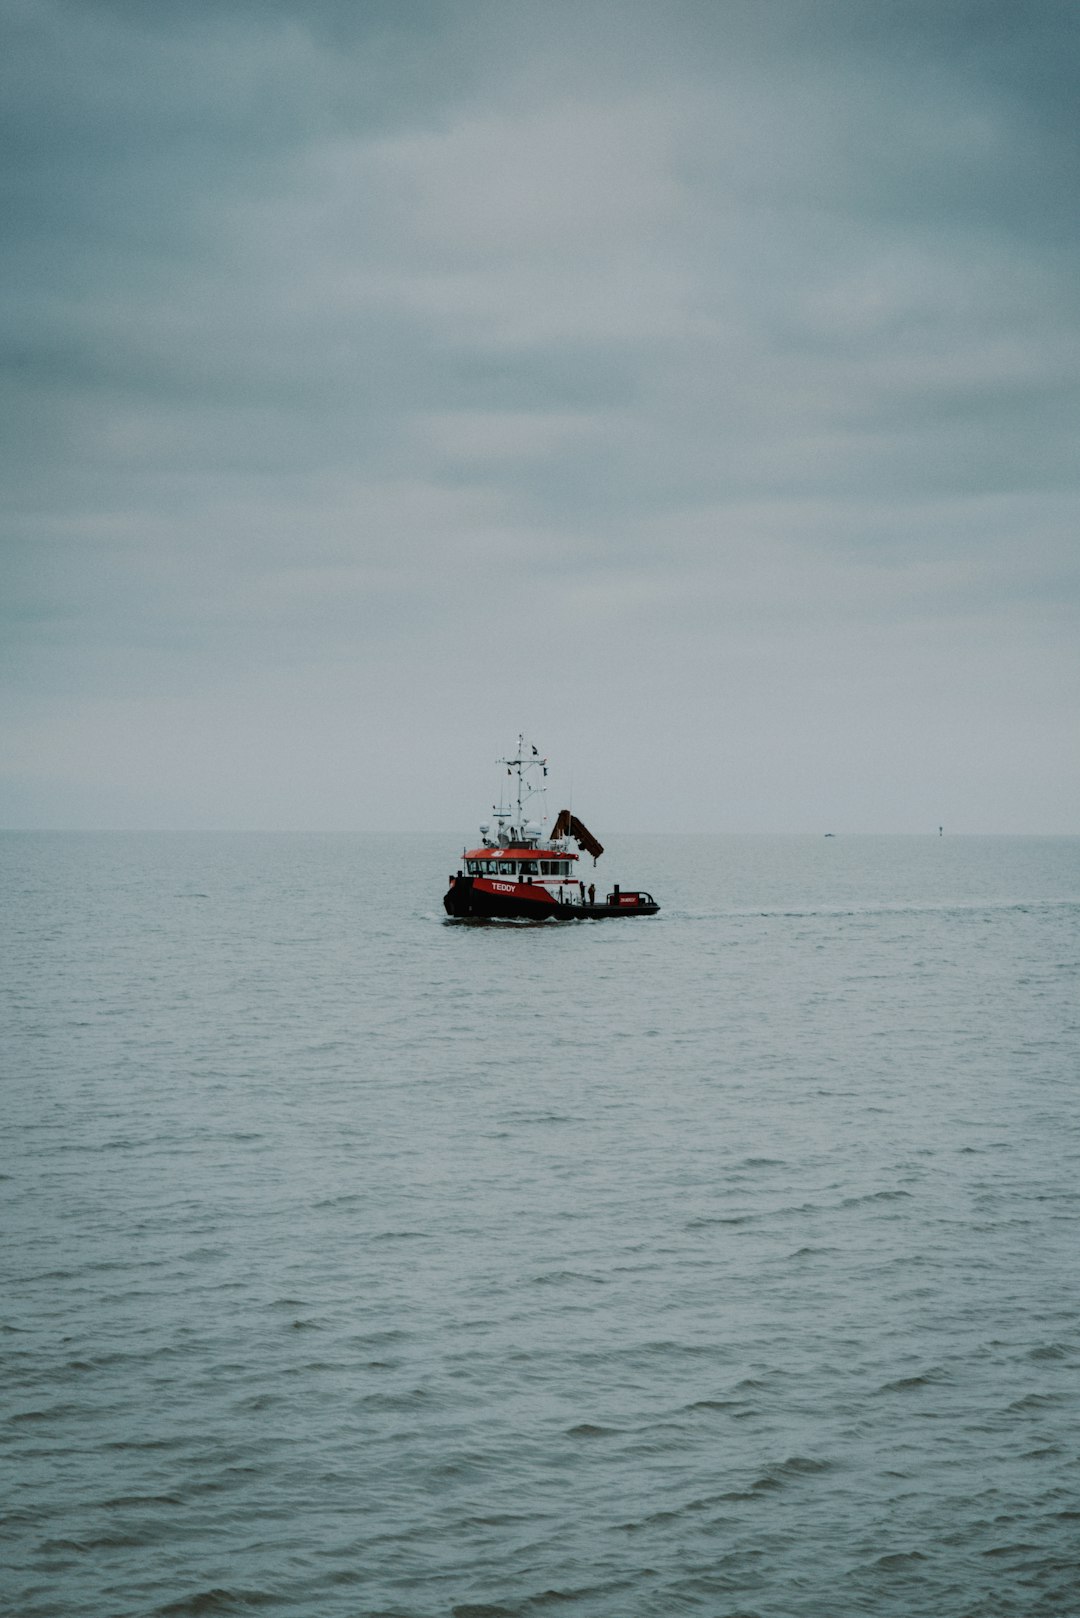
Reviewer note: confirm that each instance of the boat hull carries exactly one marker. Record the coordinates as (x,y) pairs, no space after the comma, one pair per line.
(472,899)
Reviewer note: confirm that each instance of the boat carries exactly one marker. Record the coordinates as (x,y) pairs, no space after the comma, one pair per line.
(518,874)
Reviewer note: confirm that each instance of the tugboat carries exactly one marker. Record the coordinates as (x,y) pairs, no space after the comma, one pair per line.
(519,874)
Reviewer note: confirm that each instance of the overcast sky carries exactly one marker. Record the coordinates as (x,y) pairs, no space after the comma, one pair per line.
(692,385)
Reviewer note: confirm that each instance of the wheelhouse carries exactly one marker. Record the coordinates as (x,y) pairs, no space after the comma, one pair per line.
(524,862)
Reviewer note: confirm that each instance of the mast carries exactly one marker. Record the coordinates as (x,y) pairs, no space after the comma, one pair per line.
(531,773)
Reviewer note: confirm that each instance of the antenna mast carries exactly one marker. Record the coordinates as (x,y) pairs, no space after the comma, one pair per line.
(528,787)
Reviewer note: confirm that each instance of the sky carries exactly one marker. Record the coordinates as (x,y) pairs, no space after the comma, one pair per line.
(690,385)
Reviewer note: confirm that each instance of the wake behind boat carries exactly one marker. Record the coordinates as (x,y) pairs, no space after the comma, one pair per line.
(519,874)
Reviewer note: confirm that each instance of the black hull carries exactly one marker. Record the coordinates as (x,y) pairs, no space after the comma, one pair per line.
(465,902)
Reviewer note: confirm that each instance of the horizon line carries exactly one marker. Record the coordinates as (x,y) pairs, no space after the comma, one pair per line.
(359,831)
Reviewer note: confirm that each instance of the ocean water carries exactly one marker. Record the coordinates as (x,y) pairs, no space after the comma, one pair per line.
(360,1263)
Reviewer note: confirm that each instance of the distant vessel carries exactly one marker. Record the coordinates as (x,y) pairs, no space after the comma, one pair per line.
(519,874)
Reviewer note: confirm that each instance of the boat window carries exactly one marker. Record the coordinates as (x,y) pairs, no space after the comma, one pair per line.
(528,867)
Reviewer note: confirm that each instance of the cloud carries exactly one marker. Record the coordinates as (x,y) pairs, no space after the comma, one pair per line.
(713,366)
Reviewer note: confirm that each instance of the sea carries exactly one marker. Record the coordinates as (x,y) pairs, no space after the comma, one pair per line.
(357,1263)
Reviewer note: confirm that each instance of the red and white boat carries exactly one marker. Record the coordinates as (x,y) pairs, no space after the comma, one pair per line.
(517,873)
